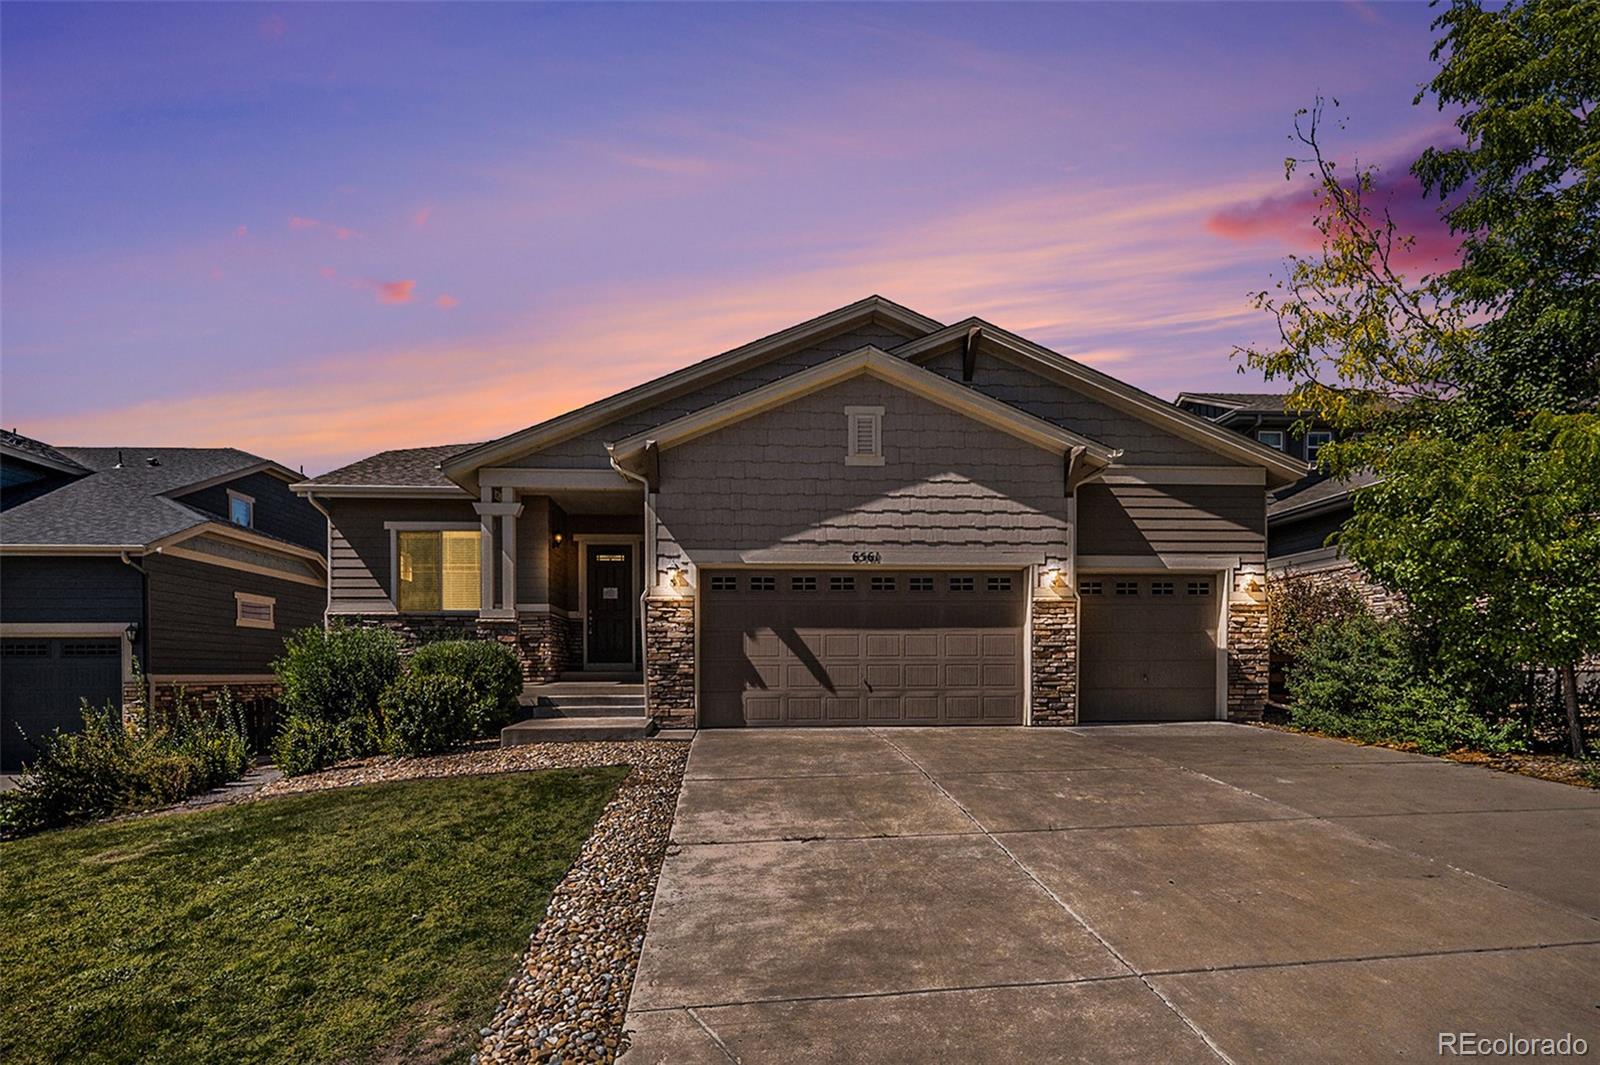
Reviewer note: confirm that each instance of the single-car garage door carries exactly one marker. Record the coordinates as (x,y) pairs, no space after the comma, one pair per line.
(42,685)
(1148,648)
(867,647)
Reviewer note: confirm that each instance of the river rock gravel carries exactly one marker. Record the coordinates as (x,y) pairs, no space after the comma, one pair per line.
(567,999)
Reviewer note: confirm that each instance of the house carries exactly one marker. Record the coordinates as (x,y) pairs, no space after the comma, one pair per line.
(869,518)
(191,563)
(1301,517)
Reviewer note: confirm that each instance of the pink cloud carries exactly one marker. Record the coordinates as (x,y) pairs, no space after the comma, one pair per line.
(1287,219)
(241,231)
(299,222)
(395,292)
(344,234)
(272,28)
(447,302)
(420,219)
(328,272)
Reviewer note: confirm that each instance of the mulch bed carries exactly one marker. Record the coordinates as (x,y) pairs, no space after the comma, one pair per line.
(1561,768)
(567,999)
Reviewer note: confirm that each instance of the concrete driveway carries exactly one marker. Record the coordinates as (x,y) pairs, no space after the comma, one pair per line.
(1166,893)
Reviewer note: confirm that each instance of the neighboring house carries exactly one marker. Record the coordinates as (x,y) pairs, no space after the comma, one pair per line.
(870,518)
(1302,516)
(193,562)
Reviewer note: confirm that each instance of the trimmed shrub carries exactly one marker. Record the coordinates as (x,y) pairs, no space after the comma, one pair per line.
(490,669)
(1362,678)
(307,744)
(337,673)
(105,769)
(428,713)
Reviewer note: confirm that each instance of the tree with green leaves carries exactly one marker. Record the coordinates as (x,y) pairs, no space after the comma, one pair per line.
(1471,392)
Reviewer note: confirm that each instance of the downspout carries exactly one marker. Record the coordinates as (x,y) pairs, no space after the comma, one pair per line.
(649,550)
(327,602)
(143,642)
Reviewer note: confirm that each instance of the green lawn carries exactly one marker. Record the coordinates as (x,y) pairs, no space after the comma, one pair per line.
(372,922)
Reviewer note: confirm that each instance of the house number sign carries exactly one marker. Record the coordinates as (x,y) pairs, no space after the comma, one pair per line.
(870,557)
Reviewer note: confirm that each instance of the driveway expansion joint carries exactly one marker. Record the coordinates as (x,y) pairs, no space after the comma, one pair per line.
(1302,963)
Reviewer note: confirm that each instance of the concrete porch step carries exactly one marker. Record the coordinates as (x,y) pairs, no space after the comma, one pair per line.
(574,730)
(590,689)
(590,676)
(632,708)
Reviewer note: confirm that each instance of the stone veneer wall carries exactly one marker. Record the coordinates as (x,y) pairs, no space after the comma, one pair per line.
(541,642)
(1055,662)
(1379,600)
(1248,665)
(669,661)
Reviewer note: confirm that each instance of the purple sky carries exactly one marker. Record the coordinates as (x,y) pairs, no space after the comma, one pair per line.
(318,231)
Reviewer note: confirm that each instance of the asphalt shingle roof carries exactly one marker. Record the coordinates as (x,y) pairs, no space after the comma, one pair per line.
(410,467)
(124,506)
(38,448)
(1262,402)
(1324,491)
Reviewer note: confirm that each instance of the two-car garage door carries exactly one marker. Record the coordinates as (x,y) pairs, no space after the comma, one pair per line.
(868,647)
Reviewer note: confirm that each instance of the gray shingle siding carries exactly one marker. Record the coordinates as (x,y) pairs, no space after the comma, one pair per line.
(777,484)
(1142,443)
(193,627)
(588,450)
(1193,519)
(278,511)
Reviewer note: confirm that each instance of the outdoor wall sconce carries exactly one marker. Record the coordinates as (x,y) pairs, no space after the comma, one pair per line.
(1256,590)
(557,538)
(132,631)
(1053,577)
(675,576)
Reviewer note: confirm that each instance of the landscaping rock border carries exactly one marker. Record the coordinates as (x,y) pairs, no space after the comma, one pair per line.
(567,1000)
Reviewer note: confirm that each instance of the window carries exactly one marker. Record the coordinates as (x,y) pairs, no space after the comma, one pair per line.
(920,584)
(803,584)
(841,584)
(437,569)
(1271,437)
(241,509)
(724,582)
(1315,442)
(1127,587)
(1163,588)
(763,582)
(254,611)
(1090,588)
(882,584)
(864,431)
(999,584)
(962,584)
(1199,587)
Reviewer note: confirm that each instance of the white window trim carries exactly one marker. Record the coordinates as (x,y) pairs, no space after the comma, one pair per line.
(853,417)
(1313,444)
(240,497)
(240,599)
(1262,434)
(397,527)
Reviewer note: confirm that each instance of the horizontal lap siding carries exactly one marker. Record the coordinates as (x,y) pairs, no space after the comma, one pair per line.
(1141,443)
(278,511)
(193,614)
(359,546)
(588,450)
(58,590)
(1191,519)
(777,483)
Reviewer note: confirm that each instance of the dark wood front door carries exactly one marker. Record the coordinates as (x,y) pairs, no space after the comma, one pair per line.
(610,605)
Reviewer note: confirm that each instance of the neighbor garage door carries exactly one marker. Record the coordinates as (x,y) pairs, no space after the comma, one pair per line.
(867,647)
(1148,648)
(43,684)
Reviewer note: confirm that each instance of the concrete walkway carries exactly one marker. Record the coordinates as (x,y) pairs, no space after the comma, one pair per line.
(1130,894)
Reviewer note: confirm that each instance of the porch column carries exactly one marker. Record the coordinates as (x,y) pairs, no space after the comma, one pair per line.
(486,553)
(508,549)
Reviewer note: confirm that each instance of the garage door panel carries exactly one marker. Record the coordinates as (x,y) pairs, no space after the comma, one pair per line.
(880,653)
(1147,656)
(43,684)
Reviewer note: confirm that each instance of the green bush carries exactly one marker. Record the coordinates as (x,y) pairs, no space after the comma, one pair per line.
(307,744)
(1363,678)
(105,769)
(1298,606)
(428,713)
(337,673)
(490,669)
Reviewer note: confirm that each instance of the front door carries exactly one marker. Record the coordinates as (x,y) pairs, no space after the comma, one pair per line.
(610,605)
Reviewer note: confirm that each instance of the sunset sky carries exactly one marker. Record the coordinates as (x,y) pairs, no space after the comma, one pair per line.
(319,231)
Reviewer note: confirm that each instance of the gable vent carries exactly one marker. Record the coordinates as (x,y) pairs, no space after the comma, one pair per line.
(864,436)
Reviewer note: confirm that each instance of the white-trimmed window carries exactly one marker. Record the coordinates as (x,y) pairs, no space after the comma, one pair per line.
(1271,437)
(254,611)
(1315,442)
(864,443)
(241,509)
(437,569)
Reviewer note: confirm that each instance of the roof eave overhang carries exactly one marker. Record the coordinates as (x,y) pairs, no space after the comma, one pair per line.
(1281,469)
(71,549)
(29,457)
(867,361)
(379,491)
(462,468)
